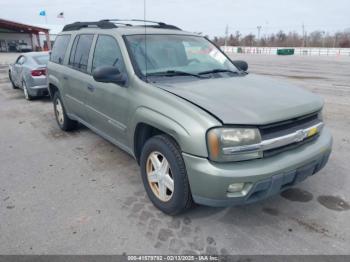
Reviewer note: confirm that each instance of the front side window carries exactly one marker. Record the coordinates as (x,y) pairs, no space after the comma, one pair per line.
(164,53)
(107,53)
(79,56)
(59,48)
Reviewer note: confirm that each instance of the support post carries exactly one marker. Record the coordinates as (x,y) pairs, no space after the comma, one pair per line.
(38,40)
(48,40)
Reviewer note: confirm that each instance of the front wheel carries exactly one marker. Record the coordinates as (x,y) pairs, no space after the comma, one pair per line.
(164,175)
(63,121)
(12,83)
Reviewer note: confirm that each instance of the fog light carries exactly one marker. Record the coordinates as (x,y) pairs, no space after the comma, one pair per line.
(236,187)
(239,189)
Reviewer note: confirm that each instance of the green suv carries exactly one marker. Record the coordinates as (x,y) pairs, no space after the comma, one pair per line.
(201,128)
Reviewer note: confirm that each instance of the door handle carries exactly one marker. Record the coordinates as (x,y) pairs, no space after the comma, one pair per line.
(65,77)
(91,88)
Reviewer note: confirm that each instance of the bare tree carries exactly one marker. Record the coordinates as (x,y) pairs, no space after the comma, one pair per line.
(316,38)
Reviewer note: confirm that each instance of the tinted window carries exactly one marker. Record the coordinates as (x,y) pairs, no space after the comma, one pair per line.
(107,53)
(74,48)
(80,52)
(59,48)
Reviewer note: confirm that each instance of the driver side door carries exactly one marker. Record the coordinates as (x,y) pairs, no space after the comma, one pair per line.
(16,72)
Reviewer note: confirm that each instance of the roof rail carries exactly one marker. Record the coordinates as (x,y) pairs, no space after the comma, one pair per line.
(113,23)
(103,24)
(157,24)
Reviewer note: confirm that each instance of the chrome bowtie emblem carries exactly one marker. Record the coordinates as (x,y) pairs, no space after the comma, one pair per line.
(300,135)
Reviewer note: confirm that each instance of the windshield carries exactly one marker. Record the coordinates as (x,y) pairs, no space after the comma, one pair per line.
(176,53)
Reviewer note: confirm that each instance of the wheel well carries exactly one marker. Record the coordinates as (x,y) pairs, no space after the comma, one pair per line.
(52,90)
(143,132)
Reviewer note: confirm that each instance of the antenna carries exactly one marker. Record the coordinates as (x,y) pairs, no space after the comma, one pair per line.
(144,18)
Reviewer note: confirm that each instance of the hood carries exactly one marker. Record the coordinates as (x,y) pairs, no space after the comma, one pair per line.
(247,100)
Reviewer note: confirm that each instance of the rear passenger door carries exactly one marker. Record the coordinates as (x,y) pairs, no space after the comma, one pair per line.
(76,76)
(107,104)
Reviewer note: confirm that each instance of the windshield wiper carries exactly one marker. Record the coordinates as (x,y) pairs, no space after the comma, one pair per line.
(170,73)
(213,71)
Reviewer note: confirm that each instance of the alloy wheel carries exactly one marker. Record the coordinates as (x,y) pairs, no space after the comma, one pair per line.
(159,176)
(59,112)
(25,91)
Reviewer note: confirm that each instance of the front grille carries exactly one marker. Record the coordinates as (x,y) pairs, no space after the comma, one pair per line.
(275,151)
(288,126)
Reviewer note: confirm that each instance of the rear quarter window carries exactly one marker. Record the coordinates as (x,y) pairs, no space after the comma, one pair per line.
(59,49)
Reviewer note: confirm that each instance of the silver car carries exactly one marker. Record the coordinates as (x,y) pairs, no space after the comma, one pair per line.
(29,74)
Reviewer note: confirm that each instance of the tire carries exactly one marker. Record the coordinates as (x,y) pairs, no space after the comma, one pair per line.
(180,199)
(12,83)
(63,121)
(27,96)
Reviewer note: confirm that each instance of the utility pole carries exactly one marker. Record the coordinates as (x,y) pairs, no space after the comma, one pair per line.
(259,29)
(226,35)
(303,27)
(323,38)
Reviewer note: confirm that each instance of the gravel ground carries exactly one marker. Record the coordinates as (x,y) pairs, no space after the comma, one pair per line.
(75,193)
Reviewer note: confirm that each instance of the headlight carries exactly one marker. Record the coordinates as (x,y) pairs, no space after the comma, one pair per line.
(226,144)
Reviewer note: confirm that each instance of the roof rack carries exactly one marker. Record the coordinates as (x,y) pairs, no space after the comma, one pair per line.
(113,23)
(157,24)
(79,25)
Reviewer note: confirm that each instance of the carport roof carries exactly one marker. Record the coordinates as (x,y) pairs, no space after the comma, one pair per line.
(15,26)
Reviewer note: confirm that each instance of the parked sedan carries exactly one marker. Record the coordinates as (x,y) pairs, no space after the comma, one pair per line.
(29,74)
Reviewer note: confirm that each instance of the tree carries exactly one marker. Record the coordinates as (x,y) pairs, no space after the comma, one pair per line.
(281,38)
(316,38)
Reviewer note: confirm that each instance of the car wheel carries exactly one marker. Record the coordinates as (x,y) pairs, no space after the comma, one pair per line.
(12,83)
(164,175)
(27,96)
(63,121)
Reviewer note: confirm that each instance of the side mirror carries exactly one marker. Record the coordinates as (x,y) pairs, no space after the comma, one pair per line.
(243,65)
(109,74)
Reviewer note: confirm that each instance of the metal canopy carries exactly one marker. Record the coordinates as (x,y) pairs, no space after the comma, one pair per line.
(22,28)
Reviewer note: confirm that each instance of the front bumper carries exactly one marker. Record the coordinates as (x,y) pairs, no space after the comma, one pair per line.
(209,181)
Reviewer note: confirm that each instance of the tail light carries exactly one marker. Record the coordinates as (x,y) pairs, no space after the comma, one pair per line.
(39,72)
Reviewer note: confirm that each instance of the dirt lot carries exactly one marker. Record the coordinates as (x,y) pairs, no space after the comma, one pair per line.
(75,193)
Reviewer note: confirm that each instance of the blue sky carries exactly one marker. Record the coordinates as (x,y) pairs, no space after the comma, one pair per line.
(207,16)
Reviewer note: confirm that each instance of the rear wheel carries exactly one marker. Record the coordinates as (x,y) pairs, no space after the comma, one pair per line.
(164,175)
(63,121)
(27,96)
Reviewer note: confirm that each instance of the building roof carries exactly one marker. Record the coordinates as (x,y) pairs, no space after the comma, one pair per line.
(20,27)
